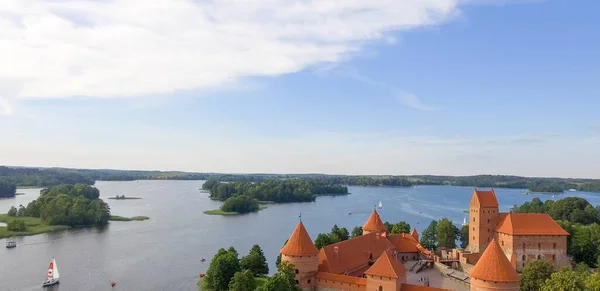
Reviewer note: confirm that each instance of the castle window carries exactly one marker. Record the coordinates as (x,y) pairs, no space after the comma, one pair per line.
(523,245)
(308,281)
(296,271)
(539,245)
(473,238)
(554,245)
(539,257)
(524,258)
(554,257)
(296,281)
(502,243)
(380,288)
(473,228)
(488,221)
(473,219)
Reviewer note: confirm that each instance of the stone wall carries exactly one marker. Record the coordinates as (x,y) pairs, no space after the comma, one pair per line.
(551,248)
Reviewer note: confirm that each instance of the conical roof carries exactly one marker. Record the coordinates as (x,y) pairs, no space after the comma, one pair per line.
(300,243)
(494,266)
(415,234)
(387,266)
(374,223)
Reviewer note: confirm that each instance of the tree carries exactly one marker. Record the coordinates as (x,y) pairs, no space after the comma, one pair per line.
(400,227)
(278,261)
(447,233)
(593,282)
(16,225)
(222,268)
(12,211)
(284,280)
(429,236)
(255,262)
(322,240)
(242,281)
(21,211)
(339,234)
(464,236)
(357,231)
(564,280)
(7,189)
(535,274)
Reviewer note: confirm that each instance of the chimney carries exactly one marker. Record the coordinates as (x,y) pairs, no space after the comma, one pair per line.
(336,252)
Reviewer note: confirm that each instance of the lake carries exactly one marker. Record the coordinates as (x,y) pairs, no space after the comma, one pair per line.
(164,253)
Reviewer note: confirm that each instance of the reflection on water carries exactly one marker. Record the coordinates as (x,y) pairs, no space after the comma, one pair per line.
(164,253)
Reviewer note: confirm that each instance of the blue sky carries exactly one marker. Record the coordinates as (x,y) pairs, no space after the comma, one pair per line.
(388,87)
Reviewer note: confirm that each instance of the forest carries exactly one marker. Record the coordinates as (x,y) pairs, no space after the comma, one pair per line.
(42,177)
(7,189)
(278,191)
(71,205)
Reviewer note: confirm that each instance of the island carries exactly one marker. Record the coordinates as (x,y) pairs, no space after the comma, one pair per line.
(245,197)
(121,218)
(57,208)
(122,197)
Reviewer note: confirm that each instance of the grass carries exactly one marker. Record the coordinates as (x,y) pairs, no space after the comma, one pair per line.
(121,218)
(126,198)
(221,212)
(34,226)
(258,280)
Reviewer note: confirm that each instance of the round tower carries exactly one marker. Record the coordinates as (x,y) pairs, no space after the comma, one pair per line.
(374,224)
(493,271)
(303,254)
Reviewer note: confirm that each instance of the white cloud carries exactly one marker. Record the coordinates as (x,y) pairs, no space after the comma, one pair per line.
(57,49)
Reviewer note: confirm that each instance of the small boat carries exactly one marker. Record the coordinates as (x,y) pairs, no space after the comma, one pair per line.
(52,274)
(11,244)
(380,205)
(572,190)
(202,260)
(202,275)
(465,221)
(349,212)
(112,283)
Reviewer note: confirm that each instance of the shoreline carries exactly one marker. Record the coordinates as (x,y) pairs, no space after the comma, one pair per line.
(225,213)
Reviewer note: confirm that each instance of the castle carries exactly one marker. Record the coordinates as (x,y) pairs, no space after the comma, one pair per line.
(374,260)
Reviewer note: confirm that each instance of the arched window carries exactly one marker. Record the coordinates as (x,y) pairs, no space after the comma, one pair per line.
(380,288)
(296,271)
(554,245)
(539,257)
(523,257)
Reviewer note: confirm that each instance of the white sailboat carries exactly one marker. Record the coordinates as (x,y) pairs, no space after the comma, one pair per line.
(52,274)
(380,205)
(465,221)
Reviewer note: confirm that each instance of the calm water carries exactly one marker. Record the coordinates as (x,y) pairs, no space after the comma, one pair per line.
(164,253)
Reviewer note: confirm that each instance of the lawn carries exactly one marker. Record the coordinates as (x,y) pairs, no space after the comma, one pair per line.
(34,226)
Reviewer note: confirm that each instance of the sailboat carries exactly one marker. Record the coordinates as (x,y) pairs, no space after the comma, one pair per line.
(465,221)
(380,205)
(52,274)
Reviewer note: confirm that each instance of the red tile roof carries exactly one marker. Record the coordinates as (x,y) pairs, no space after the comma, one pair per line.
(341,278)
(387,266)
(530,224)
(485,198)
(494,266)
(300,243)
(405,243)
(409,287)
(352,253)
(374,223)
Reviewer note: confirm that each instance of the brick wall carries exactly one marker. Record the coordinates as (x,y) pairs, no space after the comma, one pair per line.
(330,285)
(552,249)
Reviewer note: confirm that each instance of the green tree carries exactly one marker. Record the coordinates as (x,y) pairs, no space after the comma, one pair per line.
(242,281)
(255,262)
(564,280)
(447,233)
(357,231)
(535,274)
(593,282)
(12,211)
(322,240)
(400,227)
(21,211)
(464,236)
(16,225)
(278,261)
(338,234)
(222,268)
(284,280)
(429,236)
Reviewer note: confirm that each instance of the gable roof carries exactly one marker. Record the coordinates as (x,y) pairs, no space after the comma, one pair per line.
(405,243)
(352,253)
(387,266)
(374,223)
(530,224)
(415,234)
(485,198)
(300,243)
(494,266)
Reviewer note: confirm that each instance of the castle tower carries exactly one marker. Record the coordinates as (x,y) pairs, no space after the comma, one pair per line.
(483,219)
(415,234)
(303,254)
(493,271)
(374,224)
(386,273)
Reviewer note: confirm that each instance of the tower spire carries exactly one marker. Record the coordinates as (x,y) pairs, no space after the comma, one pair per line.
(300,216)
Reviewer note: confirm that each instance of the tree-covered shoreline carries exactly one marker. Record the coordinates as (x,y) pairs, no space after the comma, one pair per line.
(42,177)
